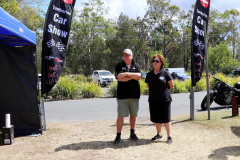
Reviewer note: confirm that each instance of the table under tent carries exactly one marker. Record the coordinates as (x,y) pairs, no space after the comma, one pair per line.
(19,89)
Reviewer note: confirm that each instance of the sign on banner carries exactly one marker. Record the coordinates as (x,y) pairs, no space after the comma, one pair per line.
(55,38)
(201,13)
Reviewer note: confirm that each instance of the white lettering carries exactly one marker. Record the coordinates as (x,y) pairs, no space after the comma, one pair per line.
(199,31)
(199,20)
(64,34)
(55,17)
(58,19)
(62,11)
(55,30)
(50,28)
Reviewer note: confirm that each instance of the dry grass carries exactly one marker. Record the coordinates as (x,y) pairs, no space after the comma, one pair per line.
(218,138)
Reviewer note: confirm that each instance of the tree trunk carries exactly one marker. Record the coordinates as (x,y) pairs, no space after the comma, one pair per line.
(146,62)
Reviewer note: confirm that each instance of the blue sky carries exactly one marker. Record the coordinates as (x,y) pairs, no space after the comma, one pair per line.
(134,8)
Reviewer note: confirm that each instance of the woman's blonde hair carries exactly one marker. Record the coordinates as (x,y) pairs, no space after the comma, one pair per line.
(161,58)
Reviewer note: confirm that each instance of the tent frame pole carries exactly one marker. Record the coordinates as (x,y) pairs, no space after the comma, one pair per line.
(40,100)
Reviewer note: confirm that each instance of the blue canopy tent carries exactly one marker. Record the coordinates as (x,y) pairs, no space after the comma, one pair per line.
(18,83)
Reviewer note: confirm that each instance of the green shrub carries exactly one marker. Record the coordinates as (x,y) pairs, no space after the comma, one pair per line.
(201,85)
(143,87)
(66,88)
(188,84)
(89,79)
(112,91)
(90,90)
(179,87)
(80,78)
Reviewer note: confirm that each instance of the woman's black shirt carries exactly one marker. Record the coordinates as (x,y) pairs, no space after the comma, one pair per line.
(158,86)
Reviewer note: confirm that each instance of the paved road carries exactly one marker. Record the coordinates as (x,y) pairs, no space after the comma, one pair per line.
(106,108)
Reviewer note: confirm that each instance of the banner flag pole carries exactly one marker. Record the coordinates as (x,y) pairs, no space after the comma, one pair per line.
(201,14)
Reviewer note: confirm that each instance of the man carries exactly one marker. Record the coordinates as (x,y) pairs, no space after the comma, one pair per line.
(128,75)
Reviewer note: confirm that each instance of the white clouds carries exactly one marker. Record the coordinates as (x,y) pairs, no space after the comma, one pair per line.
(220,5)
(134,8)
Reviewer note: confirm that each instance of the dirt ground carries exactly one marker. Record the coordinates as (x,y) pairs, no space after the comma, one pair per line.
(218,138)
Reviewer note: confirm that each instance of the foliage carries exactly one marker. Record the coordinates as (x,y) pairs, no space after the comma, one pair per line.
(201,85)
(112,91)
(143,87)
(10,6)
(221,59)
(81,78)
(66,88)
(179,87)
(87,41)
(90,90)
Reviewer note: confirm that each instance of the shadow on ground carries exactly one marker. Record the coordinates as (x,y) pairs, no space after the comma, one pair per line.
(99,145)
(236,130)
(153,124)
(223,153)
(214,108)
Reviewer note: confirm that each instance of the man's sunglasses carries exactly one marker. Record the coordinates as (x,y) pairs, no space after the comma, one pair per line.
(157,61)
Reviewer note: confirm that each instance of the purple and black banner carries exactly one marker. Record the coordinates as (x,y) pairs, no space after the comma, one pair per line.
(55,38)
(201,13)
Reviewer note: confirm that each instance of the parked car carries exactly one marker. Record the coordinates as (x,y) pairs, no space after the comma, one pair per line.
(180,75)
(144,75)
(235,73)
(178,70)
(103,77)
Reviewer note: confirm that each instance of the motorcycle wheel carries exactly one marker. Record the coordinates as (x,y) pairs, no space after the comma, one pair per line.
(204,103)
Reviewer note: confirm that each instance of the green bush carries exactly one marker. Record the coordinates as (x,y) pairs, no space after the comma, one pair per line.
(80,78)
(112,91)
(229,80)
(201,85)
(179,87)
(143,87)
(90,90)
(82,87)
(188,84)
(66,88)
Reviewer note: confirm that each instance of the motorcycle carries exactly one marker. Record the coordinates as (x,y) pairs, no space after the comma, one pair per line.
(221,93)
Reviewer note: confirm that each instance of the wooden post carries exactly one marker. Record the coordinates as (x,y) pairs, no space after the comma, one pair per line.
(235,111)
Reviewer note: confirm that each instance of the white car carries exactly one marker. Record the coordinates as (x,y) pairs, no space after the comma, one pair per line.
(103,77)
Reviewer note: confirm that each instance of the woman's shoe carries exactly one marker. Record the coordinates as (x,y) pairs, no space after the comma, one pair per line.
(169,140)
(156,137)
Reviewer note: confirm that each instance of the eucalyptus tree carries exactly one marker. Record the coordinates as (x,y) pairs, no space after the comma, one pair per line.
(10,6)
(234,24)
(182,56)
(142,46)
(90,28)
(125,37)
(221,58)
(163,16)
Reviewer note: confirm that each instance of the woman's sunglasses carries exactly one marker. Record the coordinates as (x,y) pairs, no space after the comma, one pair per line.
(157,61)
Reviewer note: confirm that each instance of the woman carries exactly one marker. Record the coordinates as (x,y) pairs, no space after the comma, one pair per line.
(160,83)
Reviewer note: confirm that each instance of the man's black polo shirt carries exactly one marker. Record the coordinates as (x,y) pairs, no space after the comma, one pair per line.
(158,86)
(131,88)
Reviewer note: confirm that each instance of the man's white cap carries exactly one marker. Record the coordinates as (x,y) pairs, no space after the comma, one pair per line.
(128,51)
